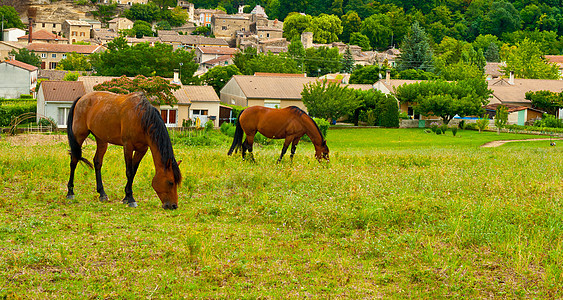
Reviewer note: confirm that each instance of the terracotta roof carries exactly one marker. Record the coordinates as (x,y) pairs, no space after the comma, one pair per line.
(219,59)
(511,108)
(493,69)
(78,23)
(43,35)
(363,87)
(22,65)
(65,48)
(167,32)
(516,93)
(15,45)
(91,81)
(115,20)
(272,87)
(62,90)
(52,74)
(196,93)
(279,74)
(558,59)
(218,50)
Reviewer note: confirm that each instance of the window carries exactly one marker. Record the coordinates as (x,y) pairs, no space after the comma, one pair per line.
(54,55)
(200,112)
(82,34)
(169,116)
(74,33)
(43,25)
(272,103)
(64,55)
(43,55)
(224,27)
(52,65)
(63,114)
(267,35)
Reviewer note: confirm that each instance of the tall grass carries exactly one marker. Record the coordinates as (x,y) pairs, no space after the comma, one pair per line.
(396,214)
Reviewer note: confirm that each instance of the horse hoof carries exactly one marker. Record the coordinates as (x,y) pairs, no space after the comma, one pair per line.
(103,198)
(70,197)
(132,204)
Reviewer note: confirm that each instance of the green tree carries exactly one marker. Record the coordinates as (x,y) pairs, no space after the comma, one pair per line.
(351,23)
(165,4)
(322,61)
(415,50)
(326,28)
(105,12)
(501,117)
(330,101)
(546,100)
(74,62)
(71,76)
(143,59)
(241,59)
(157,89)
(218,76)
(176,17)
(336,8)
(527,61)
(360,40)
(26,56)
(347,61)
(295,24)
(502,17)
(11,17)
(378,30)
(389,113)
(367,74)
(492,53)
(271,63)
(445,99)
(141,29)
(297,52)
(144,12)
(202,30)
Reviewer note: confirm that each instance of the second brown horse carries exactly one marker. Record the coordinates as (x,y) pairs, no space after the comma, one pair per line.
(290,123)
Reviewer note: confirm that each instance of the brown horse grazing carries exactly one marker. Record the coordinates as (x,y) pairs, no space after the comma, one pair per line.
(289,123)
(129,121)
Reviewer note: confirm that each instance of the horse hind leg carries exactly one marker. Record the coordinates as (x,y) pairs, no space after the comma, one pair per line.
(73,163)
(284,149)
(248,145)
(98,161)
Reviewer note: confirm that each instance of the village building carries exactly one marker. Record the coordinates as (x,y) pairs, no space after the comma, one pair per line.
(43,36)
(118,24)
(192,41)
(6,47)
(202,17)
(12,34)
(76,31)
(53,27)
(52,54)
(54,99)
(16,78)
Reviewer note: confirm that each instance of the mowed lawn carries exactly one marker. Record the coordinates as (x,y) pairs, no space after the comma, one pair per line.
(397,213)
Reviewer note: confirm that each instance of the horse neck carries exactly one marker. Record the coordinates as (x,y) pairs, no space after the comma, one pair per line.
(156,155)
(312,130)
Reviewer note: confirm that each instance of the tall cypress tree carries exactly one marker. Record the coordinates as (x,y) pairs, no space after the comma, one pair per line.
(415,50)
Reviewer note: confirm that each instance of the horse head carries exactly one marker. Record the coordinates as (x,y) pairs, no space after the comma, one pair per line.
(321,152)
(165,184)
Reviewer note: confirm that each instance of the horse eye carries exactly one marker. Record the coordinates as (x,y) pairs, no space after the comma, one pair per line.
(170,183)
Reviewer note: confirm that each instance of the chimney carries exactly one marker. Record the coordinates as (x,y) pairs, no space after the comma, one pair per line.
(176,79)
(31,13)
(388,76)
(511,78)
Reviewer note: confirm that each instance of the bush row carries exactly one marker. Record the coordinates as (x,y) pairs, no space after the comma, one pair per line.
(10,111)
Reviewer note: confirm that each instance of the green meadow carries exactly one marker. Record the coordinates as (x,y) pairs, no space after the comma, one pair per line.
(397,213)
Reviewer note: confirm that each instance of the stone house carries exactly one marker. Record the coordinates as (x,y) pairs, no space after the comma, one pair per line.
(204,54)
(51,54)
(16,78)
(7,47)
(53,27)
(202,17)
(76,31)
(226,26)
(118,24)
(43,36)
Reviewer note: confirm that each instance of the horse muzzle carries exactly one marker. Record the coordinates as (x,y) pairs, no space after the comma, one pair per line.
(169,206)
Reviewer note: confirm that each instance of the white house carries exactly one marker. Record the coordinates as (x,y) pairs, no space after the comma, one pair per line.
(12,34)
(55,98)
(16,78)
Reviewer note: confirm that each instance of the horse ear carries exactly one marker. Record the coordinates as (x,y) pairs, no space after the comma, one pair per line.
(179,162)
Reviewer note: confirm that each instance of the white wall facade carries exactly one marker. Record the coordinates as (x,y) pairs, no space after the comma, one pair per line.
(15,81)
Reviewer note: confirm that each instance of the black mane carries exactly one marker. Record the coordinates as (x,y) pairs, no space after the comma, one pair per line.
(152,123)
(300,112)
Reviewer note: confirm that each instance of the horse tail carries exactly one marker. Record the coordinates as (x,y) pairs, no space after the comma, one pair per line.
(237,140)
(75,147)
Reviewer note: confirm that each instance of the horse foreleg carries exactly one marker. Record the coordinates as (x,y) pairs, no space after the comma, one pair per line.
(294,147)
(101,149)
(284,149)
(131,170)
(247,145)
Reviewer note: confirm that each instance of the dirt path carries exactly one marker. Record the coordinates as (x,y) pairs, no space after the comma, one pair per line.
(500,143)
(34,139)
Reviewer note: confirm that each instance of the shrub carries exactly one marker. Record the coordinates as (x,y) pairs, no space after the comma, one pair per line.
(454,130)
(323,125)
(444,128)
(187,123)
(549,121)
(209,125)
(461,125)
(434,126)
(10,111)
(470,126)
(26,96)
(483,123)
(389,113)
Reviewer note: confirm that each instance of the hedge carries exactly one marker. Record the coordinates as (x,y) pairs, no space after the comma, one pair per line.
(10,110)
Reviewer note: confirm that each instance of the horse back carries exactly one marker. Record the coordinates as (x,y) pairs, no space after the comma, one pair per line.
(110,117)
(272,123)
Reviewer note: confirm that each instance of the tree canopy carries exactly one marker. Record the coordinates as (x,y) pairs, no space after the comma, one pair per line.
(157,89)
(26,56)
(329,100)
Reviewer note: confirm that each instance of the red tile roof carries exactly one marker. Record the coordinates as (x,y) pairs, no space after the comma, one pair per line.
(43,35)
(21,65)
(218,50)
(58,90)
(64,48)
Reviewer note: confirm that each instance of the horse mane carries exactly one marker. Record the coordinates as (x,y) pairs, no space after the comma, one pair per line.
(152,123)
(300,112)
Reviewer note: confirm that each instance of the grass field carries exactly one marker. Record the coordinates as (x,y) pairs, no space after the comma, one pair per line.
(396,214)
